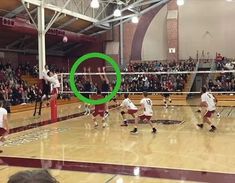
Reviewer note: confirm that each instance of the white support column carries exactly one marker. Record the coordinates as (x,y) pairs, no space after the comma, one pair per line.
(41,40)
(121,44)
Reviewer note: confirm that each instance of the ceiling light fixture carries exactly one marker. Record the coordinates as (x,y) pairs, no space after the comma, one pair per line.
(135,19)
(95,4)
(117,13)
(180,2)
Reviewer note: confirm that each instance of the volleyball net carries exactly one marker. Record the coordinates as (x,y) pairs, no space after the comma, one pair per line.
(156,83)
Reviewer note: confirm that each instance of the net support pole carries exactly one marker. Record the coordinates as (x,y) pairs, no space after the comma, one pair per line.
(121,44)
(53,104)
(41,40)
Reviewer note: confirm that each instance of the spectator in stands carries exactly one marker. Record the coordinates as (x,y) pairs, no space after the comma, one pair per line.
(16,90)
(225,81)
(135,83)
(219,57)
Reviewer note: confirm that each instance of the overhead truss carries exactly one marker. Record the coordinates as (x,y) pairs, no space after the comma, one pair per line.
(103,16)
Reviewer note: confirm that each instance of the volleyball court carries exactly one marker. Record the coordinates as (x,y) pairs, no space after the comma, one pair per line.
(168,85)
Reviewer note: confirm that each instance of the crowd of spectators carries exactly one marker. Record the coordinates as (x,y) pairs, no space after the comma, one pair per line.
(13,88)
(17,91)
(146,82)
(223,81)
(156,82)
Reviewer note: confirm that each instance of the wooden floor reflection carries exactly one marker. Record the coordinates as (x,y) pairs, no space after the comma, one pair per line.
(81,177)
(180,146)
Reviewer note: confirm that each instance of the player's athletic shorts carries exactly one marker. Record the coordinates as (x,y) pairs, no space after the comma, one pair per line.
(208,114)
(132,111)
(2,131)
(55,91)
(143,117)
(100,113)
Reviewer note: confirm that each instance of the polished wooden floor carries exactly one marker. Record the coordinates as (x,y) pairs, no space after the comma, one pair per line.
(177,146)
(81,177)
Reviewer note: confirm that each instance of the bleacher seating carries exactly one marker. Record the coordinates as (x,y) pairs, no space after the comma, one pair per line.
(30,80)
(225,97)
(30,106)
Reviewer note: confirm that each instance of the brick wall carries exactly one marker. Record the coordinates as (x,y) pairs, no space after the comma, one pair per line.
(172,5)
(129,31)
(173,31)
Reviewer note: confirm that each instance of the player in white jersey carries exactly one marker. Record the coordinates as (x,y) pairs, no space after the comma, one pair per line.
(146,106)
(128,107)
(208,104)
(46,85)
(200,108)
(53,79)
(4,128)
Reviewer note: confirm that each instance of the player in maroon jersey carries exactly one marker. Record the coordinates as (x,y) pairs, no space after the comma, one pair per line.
(99,110)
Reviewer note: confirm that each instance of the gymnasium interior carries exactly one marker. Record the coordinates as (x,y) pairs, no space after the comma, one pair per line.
(168,48)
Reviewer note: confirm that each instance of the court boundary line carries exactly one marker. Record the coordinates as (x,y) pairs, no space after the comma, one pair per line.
(117,169)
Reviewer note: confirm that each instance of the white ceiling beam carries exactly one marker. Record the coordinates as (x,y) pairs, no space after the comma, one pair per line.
(104,8)
(30,16)
(64,11)
(157,3)
(140,13)
(15,12)
(123,9)
(103,21)
(147,2)
(153,6)
(121,18)
(133,10)
(53,19)
(67,23)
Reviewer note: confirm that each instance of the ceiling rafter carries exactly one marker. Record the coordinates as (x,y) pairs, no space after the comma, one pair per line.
(102,17)
(15,12)
(64,11)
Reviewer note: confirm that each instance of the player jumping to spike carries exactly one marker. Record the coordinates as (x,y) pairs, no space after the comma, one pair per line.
(53,79)
(99,110)
(87,88)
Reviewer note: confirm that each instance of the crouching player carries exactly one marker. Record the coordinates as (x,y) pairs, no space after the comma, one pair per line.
(127,107)
(146,106)
(208,105)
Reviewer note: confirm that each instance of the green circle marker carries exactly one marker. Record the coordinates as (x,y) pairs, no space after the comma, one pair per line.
(89,56)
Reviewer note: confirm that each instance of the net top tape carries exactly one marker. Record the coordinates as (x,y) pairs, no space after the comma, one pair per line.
(155,73)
